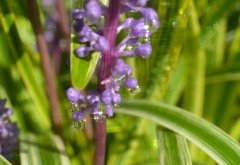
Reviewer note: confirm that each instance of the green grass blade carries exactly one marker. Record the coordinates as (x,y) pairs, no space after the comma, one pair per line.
(24,65)
(212,140)
(173,148)
(3,161)
(42,150)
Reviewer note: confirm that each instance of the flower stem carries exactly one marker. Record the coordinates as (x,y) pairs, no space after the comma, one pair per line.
(110,32)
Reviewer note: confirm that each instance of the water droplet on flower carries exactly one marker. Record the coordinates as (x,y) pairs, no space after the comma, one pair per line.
(116,105)
(100,116)
(145,39)
(80,125)
(75,107)
(135,90)
(119,80)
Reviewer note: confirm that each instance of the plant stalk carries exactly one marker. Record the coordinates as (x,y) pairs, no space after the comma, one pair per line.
(110,32)
(46,64)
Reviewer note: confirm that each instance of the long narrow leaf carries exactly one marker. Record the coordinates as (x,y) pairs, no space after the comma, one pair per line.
(212,140)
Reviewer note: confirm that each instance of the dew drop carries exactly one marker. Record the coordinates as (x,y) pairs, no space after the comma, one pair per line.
(135,90)
(100,116)
(120,80)
(75,107)
(116,105)
(80,125)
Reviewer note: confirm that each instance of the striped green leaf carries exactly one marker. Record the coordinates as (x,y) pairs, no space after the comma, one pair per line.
(42,150)
(212,140)
(82,69)
(173,148)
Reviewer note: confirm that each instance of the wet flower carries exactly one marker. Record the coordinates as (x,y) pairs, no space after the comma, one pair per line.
(113,72)
(8,132)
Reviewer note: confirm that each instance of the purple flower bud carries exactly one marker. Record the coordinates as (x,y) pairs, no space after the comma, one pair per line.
(106,97)
(78,25)
(73,94)
(116,88)
(93,10)
(137,3)
(109,110)
(78,14)
(144,50)
(82,51)
(93,98)
(151,16)
(138,28)
(116,98)
(127,23)
(118,68)
(131,82)
(101,45)
(78,115)
(128,70)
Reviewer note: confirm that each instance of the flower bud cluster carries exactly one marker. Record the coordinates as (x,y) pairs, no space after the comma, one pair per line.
(88,27)
(8,132)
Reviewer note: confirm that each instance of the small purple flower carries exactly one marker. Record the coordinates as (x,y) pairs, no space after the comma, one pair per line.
(106,97)
(78,14)
(101,45)
(131,83)
(93,10)
(78,115)
(73,95)
(118,68)
(144,50)
(82,51)
(8,132)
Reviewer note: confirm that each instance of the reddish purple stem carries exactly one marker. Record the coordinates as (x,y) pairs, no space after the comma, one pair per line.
(110,33)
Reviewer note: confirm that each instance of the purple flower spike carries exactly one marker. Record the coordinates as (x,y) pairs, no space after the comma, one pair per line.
(106,97)
(101,45)
(131,82)
(73,95)
(97,28)
(82,51)
(144,50)
(109,110)
(78,115)
(93,10)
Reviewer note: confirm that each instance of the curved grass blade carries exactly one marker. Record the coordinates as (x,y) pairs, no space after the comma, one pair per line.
(23,62)
(212,140)
(172,148)
(3,161)
(42,150)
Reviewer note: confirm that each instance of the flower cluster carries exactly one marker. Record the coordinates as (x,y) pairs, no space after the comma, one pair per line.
(8,132)
(90,26)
